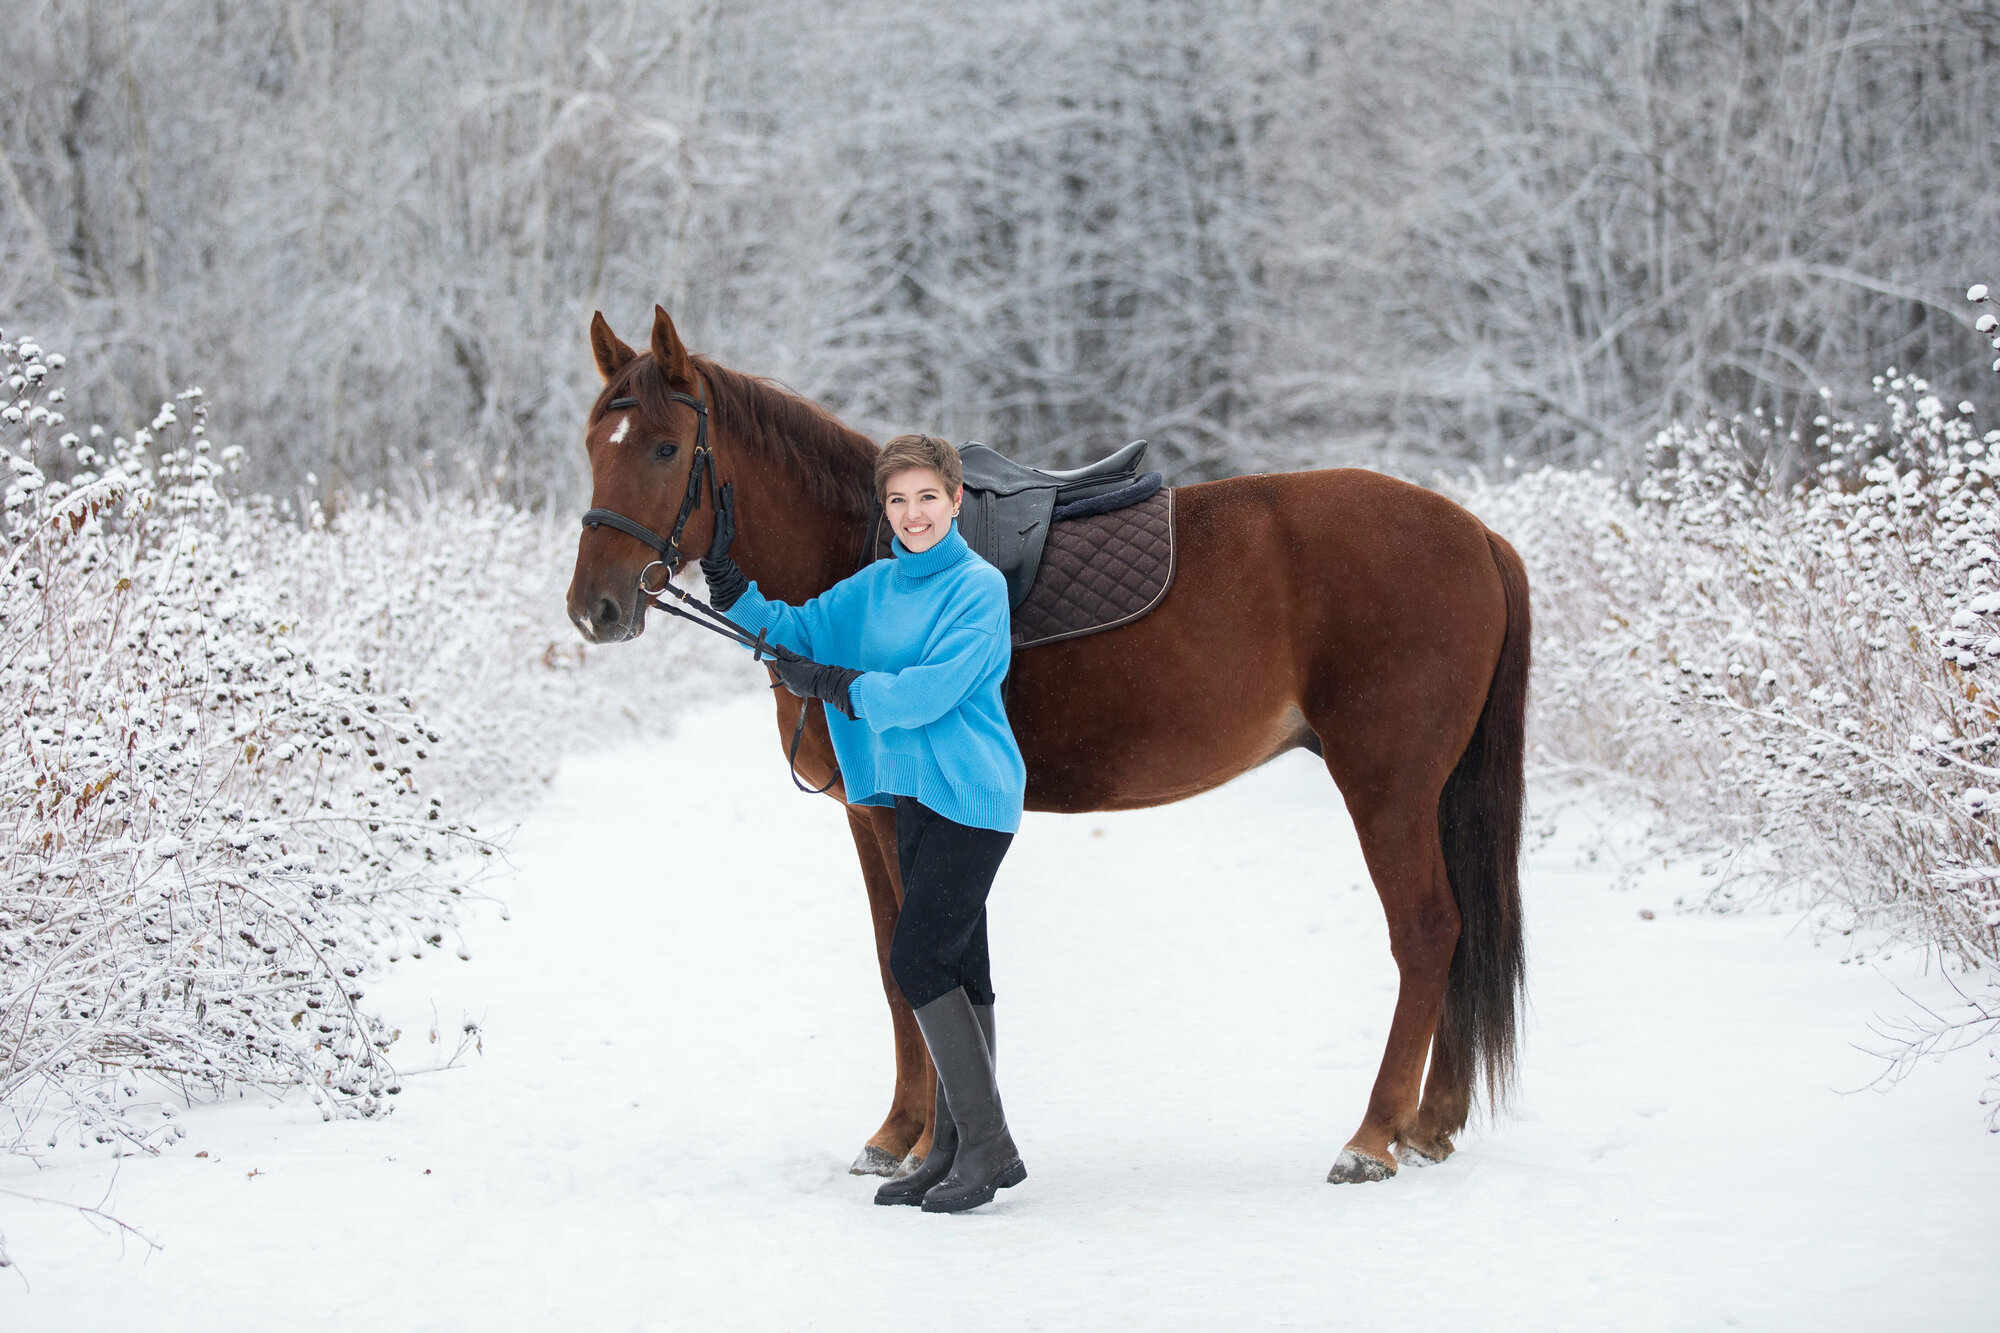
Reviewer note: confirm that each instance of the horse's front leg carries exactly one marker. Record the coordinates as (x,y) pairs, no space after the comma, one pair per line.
(906,1130)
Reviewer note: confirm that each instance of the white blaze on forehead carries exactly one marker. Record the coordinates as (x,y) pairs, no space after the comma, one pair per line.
(624,429)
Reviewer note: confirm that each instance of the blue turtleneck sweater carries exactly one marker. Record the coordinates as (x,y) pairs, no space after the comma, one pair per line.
(929,633)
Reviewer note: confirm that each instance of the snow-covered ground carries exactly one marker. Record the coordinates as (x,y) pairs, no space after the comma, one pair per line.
(685,1044)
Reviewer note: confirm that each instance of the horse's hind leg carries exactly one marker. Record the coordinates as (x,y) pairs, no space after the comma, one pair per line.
(1447,1105)
(1399,838)
(907,1126)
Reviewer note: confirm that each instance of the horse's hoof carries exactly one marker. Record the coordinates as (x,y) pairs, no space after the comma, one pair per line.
(1410,1153)
(875,1161)
(1353,1168)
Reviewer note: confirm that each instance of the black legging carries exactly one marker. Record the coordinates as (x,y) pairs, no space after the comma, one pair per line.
(940,941)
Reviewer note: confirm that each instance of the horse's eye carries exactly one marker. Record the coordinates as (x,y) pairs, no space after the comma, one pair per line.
(663,453)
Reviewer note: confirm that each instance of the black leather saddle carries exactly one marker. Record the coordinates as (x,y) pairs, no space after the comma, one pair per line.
(1009,506)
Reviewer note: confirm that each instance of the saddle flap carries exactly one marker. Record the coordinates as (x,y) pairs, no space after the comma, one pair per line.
(1008,531)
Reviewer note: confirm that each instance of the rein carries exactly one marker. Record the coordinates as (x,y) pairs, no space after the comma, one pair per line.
(691,608)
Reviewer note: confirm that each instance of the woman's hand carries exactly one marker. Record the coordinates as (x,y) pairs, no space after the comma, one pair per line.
(810,680)
(725,581)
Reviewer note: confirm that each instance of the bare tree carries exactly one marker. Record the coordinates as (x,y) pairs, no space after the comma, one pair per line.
(1592,218)
(1265,235)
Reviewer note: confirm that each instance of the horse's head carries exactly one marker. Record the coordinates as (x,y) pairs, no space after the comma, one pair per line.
(641,441)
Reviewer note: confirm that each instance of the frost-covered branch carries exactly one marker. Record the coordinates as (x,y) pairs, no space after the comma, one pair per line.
(1806,671)
(240,753)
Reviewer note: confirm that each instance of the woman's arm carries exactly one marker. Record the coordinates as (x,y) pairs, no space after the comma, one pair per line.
(732,593)
(796,627)
(919,695)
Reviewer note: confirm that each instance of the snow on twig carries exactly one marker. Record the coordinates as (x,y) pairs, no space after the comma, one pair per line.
(1806,671)
(240,749)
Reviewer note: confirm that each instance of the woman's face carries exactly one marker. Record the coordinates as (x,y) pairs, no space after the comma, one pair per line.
(919,507)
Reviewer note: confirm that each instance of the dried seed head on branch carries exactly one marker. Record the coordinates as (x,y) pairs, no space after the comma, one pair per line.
(210,827)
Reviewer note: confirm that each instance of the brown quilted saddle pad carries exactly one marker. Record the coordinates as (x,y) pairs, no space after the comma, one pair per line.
(1096,574)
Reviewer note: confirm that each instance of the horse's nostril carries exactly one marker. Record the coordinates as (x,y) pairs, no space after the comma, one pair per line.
(607,613)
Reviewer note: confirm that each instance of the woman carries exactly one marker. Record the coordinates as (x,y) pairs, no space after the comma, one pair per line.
(918,723)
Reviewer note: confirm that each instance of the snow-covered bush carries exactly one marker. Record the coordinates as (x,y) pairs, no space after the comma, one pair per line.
(457,602)
(201,819)
(238,756)
(1804,677)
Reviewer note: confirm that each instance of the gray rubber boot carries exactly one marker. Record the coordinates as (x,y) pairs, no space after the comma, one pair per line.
(985,1160)
(944,1136)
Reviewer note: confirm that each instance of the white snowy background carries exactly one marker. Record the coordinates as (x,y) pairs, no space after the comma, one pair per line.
(371,950)
(684,1043)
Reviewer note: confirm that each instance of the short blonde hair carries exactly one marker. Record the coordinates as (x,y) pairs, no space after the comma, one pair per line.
(928,451)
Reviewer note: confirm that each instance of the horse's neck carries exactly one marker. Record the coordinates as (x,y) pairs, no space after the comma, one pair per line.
(792,545)
(791,537)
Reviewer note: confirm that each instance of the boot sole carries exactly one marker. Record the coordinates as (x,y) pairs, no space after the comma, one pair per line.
(1007,1179)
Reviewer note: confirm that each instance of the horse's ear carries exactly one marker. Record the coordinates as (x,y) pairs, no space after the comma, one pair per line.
(668,354)
(611,352)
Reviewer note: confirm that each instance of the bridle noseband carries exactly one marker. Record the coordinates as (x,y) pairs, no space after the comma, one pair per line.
(669,546)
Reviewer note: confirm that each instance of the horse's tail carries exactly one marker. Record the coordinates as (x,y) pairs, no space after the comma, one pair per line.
(1479,822)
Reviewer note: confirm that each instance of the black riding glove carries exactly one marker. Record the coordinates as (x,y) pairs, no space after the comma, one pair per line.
(809,680)
(725,581)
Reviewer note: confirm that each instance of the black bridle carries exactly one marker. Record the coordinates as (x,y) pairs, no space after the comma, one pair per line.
(690,607)
(669,546)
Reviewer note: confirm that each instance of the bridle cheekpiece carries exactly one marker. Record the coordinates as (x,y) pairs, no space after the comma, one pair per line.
(669,547)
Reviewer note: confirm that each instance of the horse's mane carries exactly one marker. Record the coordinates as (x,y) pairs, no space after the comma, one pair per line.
(836,464)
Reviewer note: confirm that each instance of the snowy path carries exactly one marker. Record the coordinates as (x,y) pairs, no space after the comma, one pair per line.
(682,1056)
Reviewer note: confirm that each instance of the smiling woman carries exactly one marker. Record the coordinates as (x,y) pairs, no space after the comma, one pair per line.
(918,725)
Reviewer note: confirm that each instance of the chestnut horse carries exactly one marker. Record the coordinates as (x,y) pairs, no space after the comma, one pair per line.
(1373,622)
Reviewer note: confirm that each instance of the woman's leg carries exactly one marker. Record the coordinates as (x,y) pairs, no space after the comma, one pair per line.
(985,1159)
(940,941)
(939,959)
(977,967)
(914,822)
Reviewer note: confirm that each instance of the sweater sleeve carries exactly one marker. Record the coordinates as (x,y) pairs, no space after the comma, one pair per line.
(798,628)
(919,695)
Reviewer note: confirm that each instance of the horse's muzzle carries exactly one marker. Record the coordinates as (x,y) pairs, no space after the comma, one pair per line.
(605,619)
